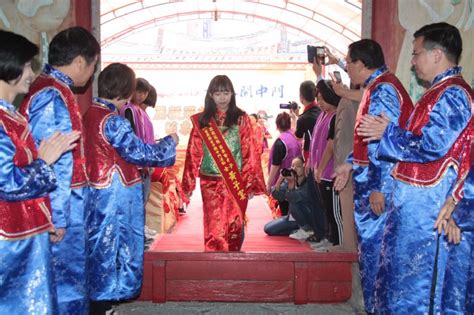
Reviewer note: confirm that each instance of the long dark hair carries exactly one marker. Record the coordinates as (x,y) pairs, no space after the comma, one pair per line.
(220,83)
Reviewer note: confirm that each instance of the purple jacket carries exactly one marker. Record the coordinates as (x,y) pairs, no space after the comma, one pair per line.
(293,149)
(318,144)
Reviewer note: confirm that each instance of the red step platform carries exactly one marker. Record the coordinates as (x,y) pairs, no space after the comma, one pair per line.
(269,269)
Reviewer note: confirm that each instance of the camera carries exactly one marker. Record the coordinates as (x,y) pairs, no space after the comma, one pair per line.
(287,172)
(289,105)
(316,51)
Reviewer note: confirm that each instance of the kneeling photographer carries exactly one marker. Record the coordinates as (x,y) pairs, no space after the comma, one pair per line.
(306,215)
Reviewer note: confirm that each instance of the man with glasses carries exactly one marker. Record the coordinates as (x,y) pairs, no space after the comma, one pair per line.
(429,153)
(371,175)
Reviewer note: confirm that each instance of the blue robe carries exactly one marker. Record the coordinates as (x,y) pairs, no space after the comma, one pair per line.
(413,256)
(458,290)
(116,216)
(374,177)
(48,114)
(26,285)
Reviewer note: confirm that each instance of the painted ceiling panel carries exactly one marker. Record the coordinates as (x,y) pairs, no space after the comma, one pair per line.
(270,28)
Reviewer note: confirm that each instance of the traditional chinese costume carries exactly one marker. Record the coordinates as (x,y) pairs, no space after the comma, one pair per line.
(458,289)
(224,219)
(428,152)
(51,107)
(115,207)
(383,94)
(25,219)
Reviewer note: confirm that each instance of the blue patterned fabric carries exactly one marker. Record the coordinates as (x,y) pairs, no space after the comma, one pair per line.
(70,259)
(116,217)
(366,179)
(116,239)
(458,290)
(447,120)
(25,265)
(132,149)
(26,285)
(413,256)
(48,114)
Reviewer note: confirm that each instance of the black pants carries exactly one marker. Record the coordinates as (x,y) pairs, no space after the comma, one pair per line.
(333,212)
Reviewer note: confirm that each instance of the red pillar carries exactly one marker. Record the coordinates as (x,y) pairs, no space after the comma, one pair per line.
(83,16)
(387,31)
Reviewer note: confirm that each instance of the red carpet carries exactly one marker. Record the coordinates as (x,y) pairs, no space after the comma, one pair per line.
(269,269)
(187,235)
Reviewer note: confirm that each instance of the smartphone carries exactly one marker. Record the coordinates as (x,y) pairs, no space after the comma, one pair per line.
(320,51)
(320,55)
(337,75)
(311,53)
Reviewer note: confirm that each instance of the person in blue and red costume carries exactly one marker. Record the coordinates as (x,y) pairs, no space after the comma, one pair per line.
(373,184)
(458,287)
(50,107)
(219,152)
(429,152)
(27,176)
(135,112)
(115,207)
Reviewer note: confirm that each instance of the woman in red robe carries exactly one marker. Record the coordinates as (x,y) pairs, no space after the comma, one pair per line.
(219,153)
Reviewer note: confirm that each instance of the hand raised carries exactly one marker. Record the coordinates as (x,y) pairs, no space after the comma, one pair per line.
(332,60)
(52,148)
(372,127)
(175,138)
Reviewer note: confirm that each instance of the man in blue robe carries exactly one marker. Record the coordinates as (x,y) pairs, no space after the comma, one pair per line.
(383,93)
(50,107)
(429,152)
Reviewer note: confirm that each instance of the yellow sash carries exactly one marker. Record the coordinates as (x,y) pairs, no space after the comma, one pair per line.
(220,152)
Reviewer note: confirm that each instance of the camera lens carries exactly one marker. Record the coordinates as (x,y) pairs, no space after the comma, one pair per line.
(286,172)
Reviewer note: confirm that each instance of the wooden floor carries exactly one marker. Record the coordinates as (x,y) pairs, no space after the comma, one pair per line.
(268,269)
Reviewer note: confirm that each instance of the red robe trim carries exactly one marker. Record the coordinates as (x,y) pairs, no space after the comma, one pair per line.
(430,173)
(406,106)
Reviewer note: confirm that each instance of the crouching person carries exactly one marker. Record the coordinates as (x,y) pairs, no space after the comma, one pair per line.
(305,219)
(115,221)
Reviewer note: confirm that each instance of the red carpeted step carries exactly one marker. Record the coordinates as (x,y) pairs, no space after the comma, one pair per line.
(269,269)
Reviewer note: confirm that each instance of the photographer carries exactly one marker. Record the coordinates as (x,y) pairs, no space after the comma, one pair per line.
(305,211)
(306,121)
(284,149)
(294,109)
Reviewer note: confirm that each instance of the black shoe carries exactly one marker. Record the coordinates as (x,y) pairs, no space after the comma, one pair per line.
(181,211)
(100,308)
(149,240)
